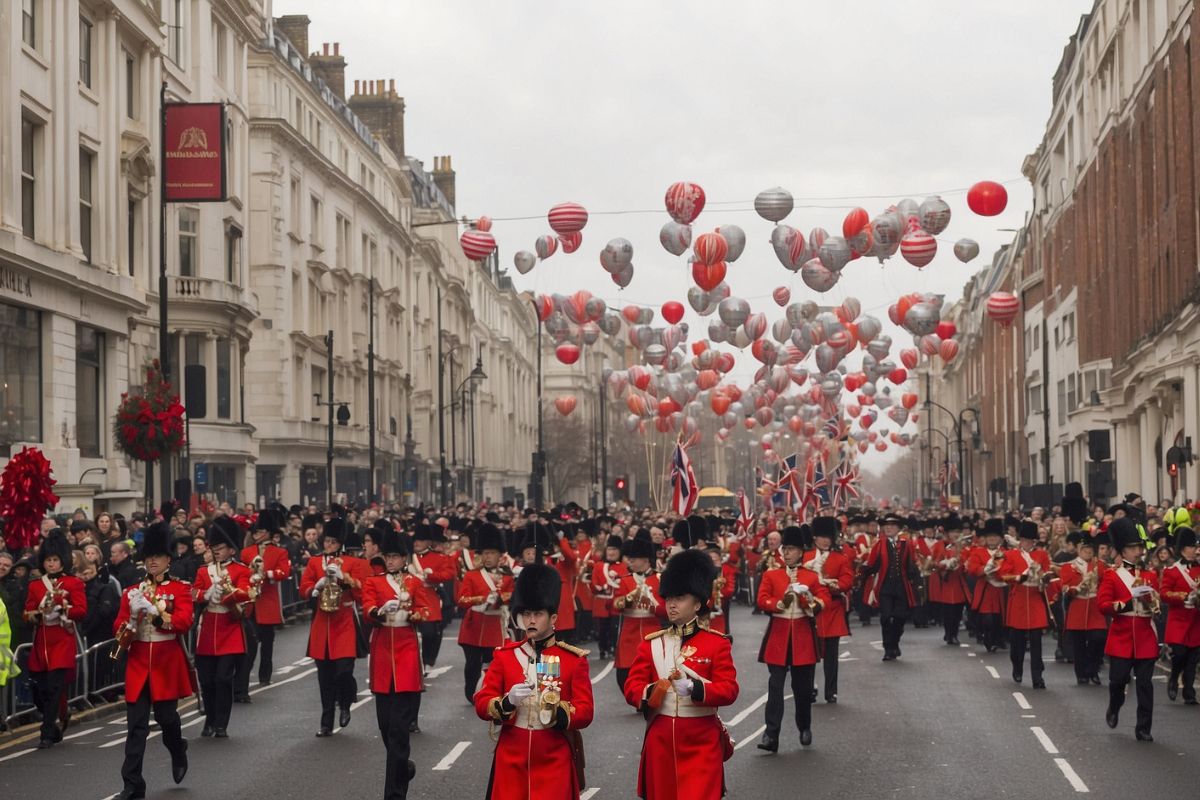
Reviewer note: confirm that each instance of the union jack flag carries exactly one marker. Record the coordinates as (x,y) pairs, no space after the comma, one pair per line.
(817,484)
(789,483)
(766,488)
(744,517)
(845,483)
(683,480)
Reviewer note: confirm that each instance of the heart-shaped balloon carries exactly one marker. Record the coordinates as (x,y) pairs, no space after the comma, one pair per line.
(524,261)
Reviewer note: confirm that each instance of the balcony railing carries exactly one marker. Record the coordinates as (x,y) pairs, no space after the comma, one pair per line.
(189,288)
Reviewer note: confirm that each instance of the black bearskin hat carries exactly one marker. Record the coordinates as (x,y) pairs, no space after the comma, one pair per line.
(224,530)
(689,572)
(270,520)
(487,537)
(538,588)
(1184,537)
(1124,533)
(55,544)
(1028,530)
(795,536)
(392,542)
(1074,506)
(638,548)
(993,527)
(825,526)
(335,528)
(538,535)
(157,540)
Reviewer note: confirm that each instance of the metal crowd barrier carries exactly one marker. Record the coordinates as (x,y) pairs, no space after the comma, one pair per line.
(16,697)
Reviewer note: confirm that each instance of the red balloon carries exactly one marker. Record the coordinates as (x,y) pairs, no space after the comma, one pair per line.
(567,353)
(948,350)
(946,330)
(567,218)
(720,404)
(987,198)
(909,357)
(699,347)
(570,241)
(672,311)
(908,400)
(477,244)
(898,376)
(684,202)
(855,221)
(708,276)
(1003,307)
(630,313)
(483,224)
(710,248)
(565,404)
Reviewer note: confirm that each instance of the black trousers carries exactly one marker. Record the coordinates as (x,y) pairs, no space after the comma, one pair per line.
(137,715)
(335,679)
(395,711)
(1142,671)
(475,657)
(1183,662)
(893,613)
(1017,640)
(258,637)
(621,674)
(991,630)
(216,674)
(829,664)
(605,631)
(50,695)
(1066,644)
(802,688)
(431,641)
(951,617)
(1088,647)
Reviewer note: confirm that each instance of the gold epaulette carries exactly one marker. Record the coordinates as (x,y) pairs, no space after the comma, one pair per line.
(652,636)
(572,649)
(704,627)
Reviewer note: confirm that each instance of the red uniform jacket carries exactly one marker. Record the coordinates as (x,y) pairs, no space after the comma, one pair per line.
(606,577)
(946,583)
(267,609)
(1083,612)
(837,576)
(638,620)
(395,664)
(583,585)
(566,561)
(791,635)
(220,631)
(433,568)
(1027,609)
(156,656)
(54,642)
(877,567)
(484,627)
(534,761)
(1183,623)
(989,589)
(332,634)
(1132,633)
(683,752)
(717,622)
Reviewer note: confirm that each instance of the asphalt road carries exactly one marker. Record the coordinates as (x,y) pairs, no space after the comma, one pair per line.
(939,719)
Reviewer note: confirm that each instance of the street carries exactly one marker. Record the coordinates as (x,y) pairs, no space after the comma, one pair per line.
(939,718)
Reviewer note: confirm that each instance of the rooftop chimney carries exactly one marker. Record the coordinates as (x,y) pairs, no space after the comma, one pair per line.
(443,176)
(377,104)
(331,68)
(295,28)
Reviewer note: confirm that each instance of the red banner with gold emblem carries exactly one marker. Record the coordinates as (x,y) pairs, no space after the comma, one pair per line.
(194,152)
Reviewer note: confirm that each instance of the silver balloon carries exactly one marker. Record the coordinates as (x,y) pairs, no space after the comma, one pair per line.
(817,277)
(735,237)
(675,238)
(655,354)
(524,261)
(773,204)
(793,314)
(698,299)
(740,339)
(887,229)
(908,208)
(632,422)
(733,311)
(719,292)
(543,245)
(594,308)
(781,330)
(816,238)
(610,323)
(789,246)
(624,276)
(831,385)
(966,249)
(718,331)
(879,347)
(645,315)
(921,319)
(590,333)
(868,328)
(620,251)
(809,309)
(934,215)
(827,358)
(642,337)
(834,253)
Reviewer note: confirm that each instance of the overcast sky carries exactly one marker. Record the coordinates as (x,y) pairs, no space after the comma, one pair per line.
(609,103)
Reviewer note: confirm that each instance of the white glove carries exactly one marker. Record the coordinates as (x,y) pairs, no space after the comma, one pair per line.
(559,535)
(492,599)
(683,687)
(336,572)
(213,594)
(320,584)
(138,604)
(800,588)
(428,571)
(256,579)
(519,693)
(390,607)
(482,607)
(52,615)
(134,594)
(1141,591)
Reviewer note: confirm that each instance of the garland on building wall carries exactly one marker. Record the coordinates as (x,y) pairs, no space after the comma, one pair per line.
(150,426)
(26,493)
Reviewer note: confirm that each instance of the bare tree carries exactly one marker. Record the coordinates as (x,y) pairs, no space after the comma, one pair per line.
(567,442)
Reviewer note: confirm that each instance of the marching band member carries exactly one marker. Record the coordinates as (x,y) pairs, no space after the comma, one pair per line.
(565,560)
(988,601)
(680,677)
(947,586)
(222,588)
(891,569)
(483,595)
(637,600)
(606,577)
(1181,590)
(1026,570)
(53,605)
(393,602)
(154,617)
(539,693)
(837,576)
(269,566)
(722,590)
(793,596)
(1129,594)
(1086,626)
(433,569)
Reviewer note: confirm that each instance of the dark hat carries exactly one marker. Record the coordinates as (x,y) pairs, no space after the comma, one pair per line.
(1160,536)
(393,542)
(1124,533)
(638,547)
(380,529)
(613,541)
(952,522)
(698,525)
(538,535)
(537,588)
(224,530)
(310,521)
(1115,507)
(891,518)
(689,572)
(682,534)
(487,537)
(1102,538)
(825,526)
(1076,538)
(1028,529)
(423,532)
(795,536)
(55,544)
(993,526)
(156,540)
(1074,505)
(269,519)
(335,528)
(1184,537)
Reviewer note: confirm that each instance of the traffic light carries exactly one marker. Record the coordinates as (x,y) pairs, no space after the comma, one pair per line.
(621,485)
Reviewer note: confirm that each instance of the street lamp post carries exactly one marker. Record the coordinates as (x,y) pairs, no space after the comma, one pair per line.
(343,417)
(539,456)
(371,388)
(476,377)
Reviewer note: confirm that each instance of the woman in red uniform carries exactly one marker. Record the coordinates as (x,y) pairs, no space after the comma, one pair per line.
(606,577)
(269,567)
(679,679)
(947,586)
(53,605)
(223,588)
(988,601)
(1026,570)
(637,600)
(837,576)
(483,594)
(1180,587)
(1084,623)
(154,616)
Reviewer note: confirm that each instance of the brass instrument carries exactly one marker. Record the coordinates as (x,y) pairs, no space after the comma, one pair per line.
(718,585)
(1087,587)
(1150,603)
(330,599)
(790,598)
(227,588)
(257,578)
(128,631)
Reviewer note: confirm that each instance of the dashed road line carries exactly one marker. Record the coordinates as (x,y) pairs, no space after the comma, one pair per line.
(18,754)
(600,675)
(448,762)
(992,671)
(81,733)
(590,793)
(747,711)
(433,673)
(1072,778)
(750,738)
(1045,740)
(1021,701)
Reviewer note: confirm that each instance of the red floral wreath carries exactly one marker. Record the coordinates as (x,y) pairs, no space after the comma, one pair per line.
(150,426)
(26,491)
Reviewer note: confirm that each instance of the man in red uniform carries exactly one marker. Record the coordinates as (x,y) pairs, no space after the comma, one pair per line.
(1085,624)
(988,601)
(828,561)
(154,617)
(680,677)
(637,600)
(1181,591)
(1129,595)
(1026,570)
(539,693)
(793,596)
(724,585)
(891,569)
(606,577)
(393,602)
(562,556)
(222,588)
(947,587)
(483,594)
(432,569)
(53,605)
(269,566)
(333,582)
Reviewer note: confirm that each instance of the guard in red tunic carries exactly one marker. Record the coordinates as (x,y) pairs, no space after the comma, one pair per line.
(606,577)
(793,596)
(988,600)
(722,590)
(837,575)
(154,617)
(433,569)
(53,605)
(1026,570)
(223,588)
(1129,595)
(681,676)
(269,566)
(1086,626)
(333,582)
(483,594)
(393,602)
(892,572)
(1181,592)
(562,556)
(947,584)
(539,693)
(637,600)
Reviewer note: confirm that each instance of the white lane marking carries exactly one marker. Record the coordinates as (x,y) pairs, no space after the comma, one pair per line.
(447,762)
(1029,716)
(196,721)
(590,793)
(600,675)
(972,655)
(1076,783)
(992,671)
(1022,702)
(433,673)
(116,742)
(285,670)
(302,662)
(750,738)
(18,754)
(354,707)
(295,677)
(964,645)
(1044,739)
(844,654)
(747,711)
(191,713)
(81,733)
(878,645)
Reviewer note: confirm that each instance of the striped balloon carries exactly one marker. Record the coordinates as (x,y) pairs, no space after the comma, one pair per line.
(477,245)
(948,350)
(684,202)
(545,246)
(918,248)
(1003,307)
(773,204)
(710,248)
(570,241)
(567,218)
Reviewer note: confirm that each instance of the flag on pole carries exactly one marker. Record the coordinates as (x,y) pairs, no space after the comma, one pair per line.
(744,517)
(766,488)
(789,483)
(683,480)
(845,483)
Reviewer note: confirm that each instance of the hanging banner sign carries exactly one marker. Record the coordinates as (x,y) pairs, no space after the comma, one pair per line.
(193,152)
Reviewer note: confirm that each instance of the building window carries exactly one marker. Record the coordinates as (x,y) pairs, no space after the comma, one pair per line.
(314,222)
(29,22)
(218,33)
(131,82)
(1062,403)
(1033,399)
(131,236)
(29,131)
(294,222)
(224,382)
(20,375)
(175,30)
(233,254)
(86,169)
(89,389)
(189,221)
(85,51)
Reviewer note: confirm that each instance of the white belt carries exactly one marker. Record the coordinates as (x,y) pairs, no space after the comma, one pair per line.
(1142,614)
(387,623)
(216,608)
(793,613)
(639,613)
(522,721)
(686,711)
(155,636)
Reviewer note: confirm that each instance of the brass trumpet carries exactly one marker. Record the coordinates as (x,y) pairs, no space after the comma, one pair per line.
(258,577)
(1151,603)
(331,593)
